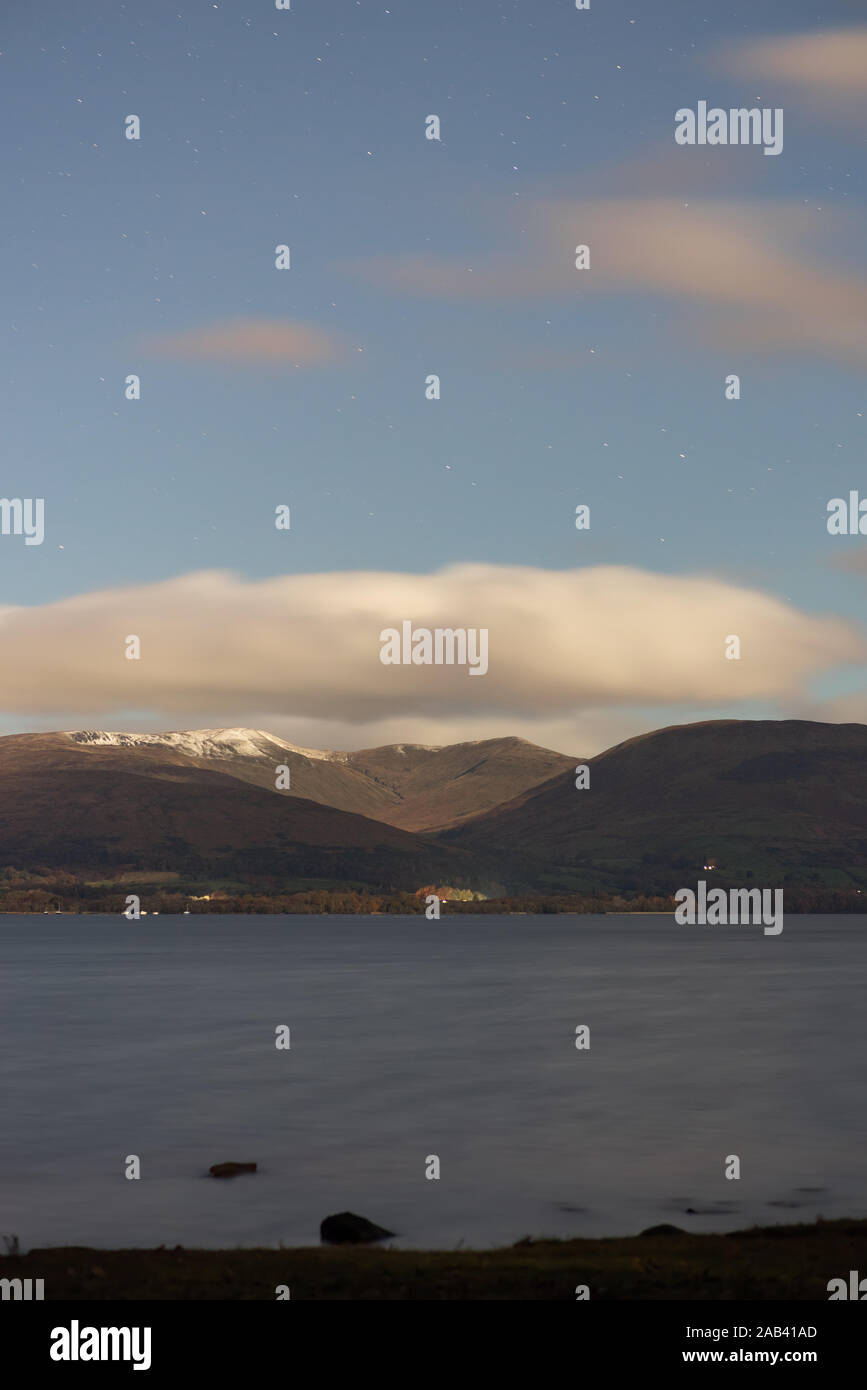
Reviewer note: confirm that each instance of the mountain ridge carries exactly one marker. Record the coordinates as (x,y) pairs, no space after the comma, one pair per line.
(765,801)
(409,785)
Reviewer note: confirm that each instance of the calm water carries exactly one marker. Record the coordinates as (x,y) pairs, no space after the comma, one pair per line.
(411,1038)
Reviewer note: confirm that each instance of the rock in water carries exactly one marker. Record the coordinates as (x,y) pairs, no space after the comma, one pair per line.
(348,1229)
(664,1230)
(231,1170)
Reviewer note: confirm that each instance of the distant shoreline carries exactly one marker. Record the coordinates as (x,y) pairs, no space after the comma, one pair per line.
(384,916)
(80,896)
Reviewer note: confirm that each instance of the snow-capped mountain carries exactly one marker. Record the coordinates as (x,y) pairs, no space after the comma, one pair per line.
(216,804)
(204,743)
(413,785)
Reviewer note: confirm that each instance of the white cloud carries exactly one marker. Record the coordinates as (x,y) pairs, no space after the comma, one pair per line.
(569,651)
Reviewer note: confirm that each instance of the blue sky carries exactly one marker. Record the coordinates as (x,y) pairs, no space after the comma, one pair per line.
(307,127)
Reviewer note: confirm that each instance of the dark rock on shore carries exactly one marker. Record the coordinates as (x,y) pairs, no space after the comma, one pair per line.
(665,1229)
(348,1229)
(231,1170)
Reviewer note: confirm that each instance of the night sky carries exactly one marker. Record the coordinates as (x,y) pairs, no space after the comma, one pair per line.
(306,387)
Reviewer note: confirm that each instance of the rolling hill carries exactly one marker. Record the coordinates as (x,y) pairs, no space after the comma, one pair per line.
(765,801)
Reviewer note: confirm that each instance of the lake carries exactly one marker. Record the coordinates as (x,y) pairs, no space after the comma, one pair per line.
(412,1038)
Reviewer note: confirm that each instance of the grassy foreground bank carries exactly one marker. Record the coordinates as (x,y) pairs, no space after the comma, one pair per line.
(764,1263)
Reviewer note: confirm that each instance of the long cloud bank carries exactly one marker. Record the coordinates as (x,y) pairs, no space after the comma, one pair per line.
(214,645)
